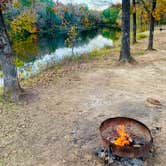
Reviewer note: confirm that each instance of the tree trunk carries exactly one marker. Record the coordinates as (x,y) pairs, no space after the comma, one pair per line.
(125,41)
(33,4)
(151,26)
(11,84)
(141,20)
(134,23)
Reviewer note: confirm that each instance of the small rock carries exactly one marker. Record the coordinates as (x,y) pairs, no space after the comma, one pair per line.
(153,101)
(150,102)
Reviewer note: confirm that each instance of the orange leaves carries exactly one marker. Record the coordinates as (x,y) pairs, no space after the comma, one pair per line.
(5,1)
(159,10)
(3,4)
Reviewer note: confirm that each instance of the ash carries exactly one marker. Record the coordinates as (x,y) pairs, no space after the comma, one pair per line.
(112,160)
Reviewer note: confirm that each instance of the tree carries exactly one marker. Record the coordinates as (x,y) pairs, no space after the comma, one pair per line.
(110,15)
(151,26)
(12,87)
(134,22)
(24,24)
(151,20)
(125,41)
(72,37)
(153,12)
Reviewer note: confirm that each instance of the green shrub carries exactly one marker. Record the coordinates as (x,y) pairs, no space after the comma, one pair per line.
(110,15)
(142,35)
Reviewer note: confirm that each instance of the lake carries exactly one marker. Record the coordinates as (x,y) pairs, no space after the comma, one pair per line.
(37,53)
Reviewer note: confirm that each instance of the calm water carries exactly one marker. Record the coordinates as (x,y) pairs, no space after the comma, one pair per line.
(35,54)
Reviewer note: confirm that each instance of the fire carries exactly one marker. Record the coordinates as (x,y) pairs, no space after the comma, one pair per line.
(123,138)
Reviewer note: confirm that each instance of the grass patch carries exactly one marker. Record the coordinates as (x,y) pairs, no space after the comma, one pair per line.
(2,163)
(138,53)
(99,52)
(142,36)
(88,56)
(74,57)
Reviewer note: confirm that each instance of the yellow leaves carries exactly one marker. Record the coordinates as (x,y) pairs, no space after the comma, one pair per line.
(86,22)
(25,22)
(23,48)
(157,13)
(16,4)
(72,35)
(146,16)
(160,9)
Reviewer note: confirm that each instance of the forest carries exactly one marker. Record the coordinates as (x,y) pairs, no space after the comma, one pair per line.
(39,16)
(82,82)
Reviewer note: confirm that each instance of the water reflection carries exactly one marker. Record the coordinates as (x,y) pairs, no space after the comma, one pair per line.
(48,60)
(33,47)
(36,53)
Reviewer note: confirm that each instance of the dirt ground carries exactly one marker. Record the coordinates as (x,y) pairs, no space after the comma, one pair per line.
(59,125)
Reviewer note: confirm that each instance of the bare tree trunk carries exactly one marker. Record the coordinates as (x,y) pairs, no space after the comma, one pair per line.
(11,84)
(125,41)
(141,20)
(151,26)
(33,4)
(134,23)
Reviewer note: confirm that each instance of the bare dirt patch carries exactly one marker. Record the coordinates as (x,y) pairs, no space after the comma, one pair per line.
(59,127)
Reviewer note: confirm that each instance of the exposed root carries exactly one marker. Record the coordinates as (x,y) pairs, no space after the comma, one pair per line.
(151,49)
(130,61)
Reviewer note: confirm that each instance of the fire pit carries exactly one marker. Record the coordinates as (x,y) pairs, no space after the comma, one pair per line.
(126,137)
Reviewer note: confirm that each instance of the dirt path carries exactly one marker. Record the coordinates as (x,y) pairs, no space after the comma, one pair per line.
(59,127)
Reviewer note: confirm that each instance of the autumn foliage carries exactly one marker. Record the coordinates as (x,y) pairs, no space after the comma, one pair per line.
(3,4)
(24,23)
(157,13)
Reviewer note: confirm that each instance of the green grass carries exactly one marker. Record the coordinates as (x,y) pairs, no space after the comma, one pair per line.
(101,52)
(1,93)
(74,57)
(138,53)
(1,163)
(91,55)
(142,35)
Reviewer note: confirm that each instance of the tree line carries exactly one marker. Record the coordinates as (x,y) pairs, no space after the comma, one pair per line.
(25,17)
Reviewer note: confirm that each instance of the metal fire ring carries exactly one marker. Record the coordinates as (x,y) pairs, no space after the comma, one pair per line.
(128,150)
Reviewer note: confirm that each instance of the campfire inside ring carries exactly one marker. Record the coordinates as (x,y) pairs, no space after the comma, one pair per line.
(126,137)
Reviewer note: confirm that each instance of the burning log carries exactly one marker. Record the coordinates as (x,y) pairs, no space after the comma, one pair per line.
(124,138)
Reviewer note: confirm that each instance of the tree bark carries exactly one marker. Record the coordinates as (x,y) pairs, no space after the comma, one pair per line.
(134,22)
(33,4)
(125,41)
(11,85)
(151,26)
(141,19)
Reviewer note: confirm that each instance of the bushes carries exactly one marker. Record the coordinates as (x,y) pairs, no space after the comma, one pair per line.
(23,48)
(142,35)
(110,33)
(110,15)
(24,23)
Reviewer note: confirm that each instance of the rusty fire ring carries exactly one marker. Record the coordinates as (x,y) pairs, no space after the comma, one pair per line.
(127,151)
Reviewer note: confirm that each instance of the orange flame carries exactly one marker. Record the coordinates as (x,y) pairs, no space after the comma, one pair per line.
(123,138)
